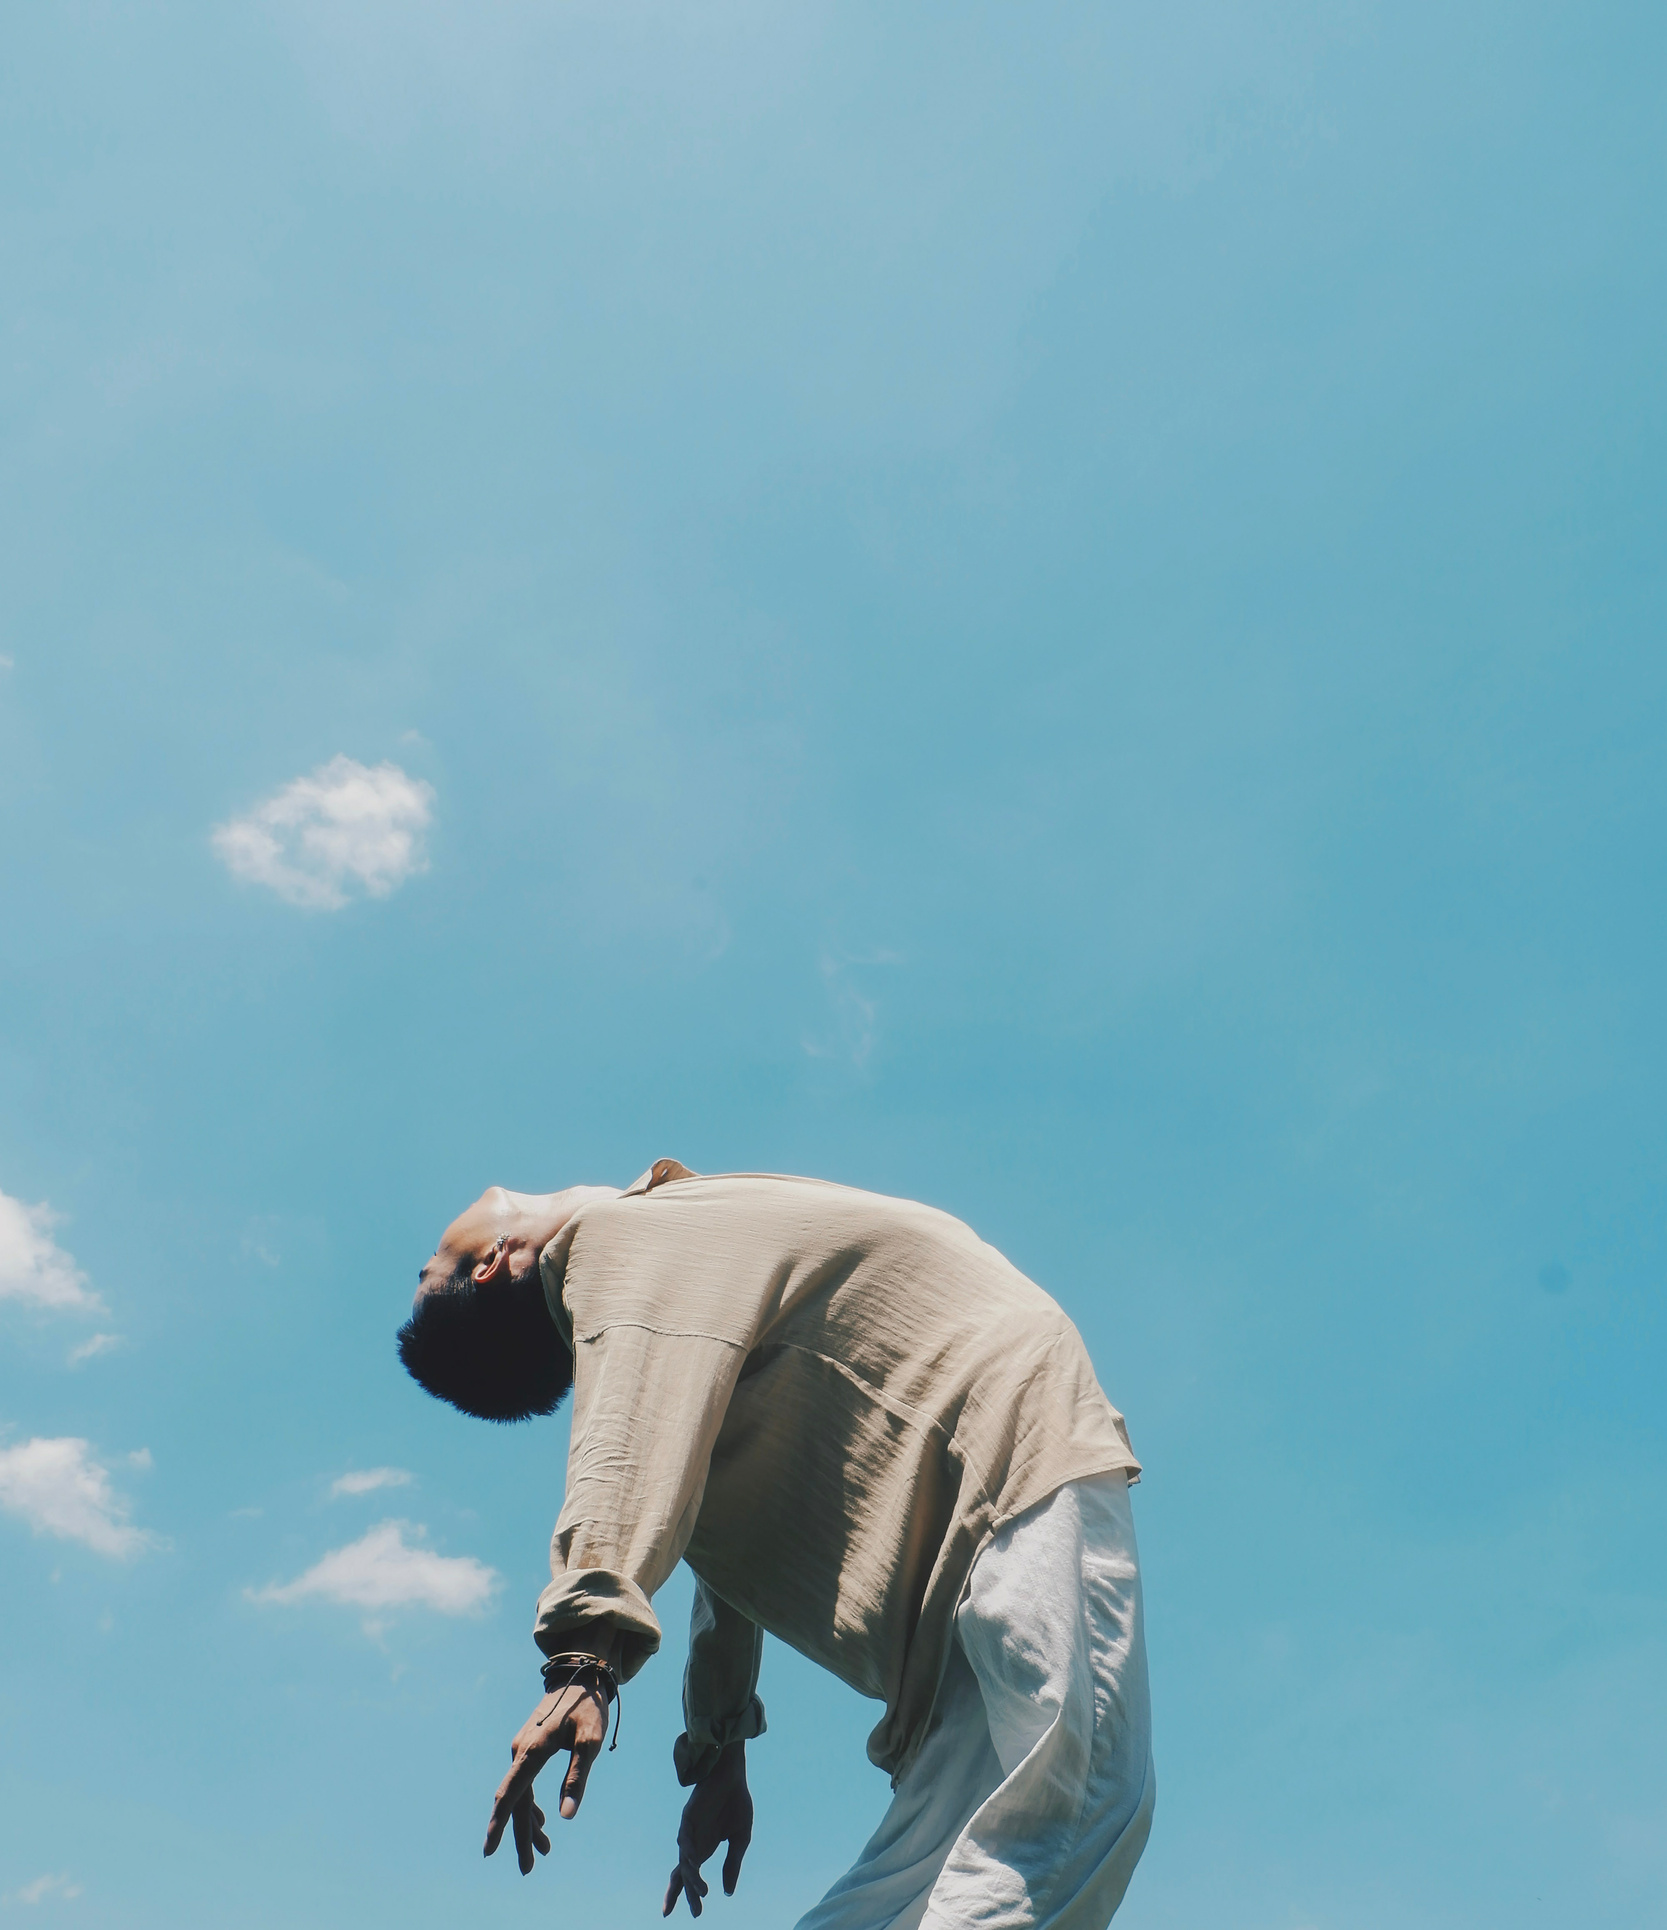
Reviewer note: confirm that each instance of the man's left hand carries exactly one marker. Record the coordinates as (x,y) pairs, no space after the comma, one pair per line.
(718,1811)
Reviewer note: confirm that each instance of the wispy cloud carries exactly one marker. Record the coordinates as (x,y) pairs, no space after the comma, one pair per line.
(47,1886)
(383,1570)
(6,663)
(856,1017)
(260,1241)
(93,1346)
(60,1489)
(33,1267)
(343,828)
(368,1480)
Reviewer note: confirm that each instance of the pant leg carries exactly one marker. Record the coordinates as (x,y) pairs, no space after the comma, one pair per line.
(956,1769)
(1030,1802)
(1053,1630)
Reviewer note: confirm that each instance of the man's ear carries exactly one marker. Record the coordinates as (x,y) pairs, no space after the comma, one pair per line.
(495,1264)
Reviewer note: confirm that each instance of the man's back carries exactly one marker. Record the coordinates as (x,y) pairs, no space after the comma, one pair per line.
(828,1400)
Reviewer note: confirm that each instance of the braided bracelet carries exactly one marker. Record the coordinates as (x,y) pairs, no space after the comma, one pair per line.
(590,1672)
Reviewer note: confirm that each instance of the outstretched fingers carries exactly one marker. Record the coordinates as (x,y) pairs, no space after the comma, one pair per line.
(686,1881)
(738,1844)
(528,1819)
(578,1773)
(566,1721)
(503,1808)
(515,1785)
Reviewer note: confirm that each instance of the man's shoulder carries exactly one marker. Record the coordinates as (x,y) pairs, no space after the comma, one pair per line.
(793,1206)
(684,1211)
(669,1179)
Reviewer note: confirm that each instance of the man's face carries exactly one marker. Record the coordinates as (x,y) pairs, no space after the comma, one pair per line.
(466,1242)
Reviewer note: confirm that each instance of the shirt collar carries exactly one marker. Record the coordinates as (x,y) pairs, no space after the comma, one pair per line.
(659,1174)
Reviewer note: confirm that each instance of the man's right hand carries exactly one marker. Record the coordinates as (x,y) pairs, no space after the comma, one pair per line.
(719,1810)
(574,1719)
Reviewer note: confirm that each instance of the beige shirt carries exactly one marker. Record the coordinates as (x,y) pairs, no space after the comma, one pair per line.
(826,1401)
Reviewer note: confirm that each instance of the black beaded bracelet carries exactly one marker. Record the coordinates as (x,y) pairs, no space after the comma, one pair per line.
(590,1672)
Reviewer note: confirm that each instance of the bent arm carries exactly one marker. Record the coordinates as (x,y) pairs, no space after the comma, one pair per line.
(647,1410)
(663,1295)
(720,1685)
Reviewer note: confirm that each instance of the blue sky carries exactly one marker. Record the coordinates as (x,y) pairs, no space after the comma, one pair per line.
(1057,610)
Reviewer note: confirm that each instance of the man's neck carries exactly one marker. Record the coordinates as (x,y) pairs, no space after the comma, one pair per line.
(539,1217)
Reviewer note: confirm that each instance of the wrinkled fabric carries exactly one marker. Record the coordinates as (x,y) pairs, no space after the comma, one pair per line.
(827,1401)
(1030,1801)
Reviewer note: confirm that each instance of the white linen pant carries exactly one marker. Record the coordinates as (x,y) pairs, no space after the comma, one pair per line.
(1031,1798)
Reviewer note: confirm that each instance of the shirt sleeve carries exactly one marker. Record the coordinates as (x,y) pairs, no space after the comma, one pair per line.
(647,1408)
(720,1684)
(661,1293)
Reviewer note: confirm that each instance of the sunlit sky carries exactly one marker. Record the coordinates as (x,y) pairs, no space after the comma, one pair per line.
(1056,610)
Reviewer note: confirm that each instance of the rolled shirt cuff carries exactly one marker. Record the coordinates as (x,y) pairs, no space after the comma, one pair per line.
(593,1595)
(696,1751)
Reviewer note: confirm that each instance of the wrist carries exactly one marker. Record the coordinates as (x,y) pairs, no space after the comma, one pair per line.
(574,1668)
(696,1763)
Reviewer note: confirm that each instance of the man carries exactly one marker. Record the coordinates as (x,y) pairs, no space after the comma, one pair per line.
(866,1433)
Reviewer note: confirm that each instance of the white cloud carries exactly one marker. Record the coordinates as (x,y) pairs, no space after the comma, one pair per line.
(93,1346)
(33,1267)
(48,1886)
(383,1570)
(260,1241)
(856,1016)
(7,664)
(368,1480)
(342,828)
(141,1458)
(59,1489)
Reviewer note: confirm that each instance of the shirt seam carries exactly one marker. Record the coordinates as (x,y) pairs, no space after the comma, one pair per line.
(665,1333)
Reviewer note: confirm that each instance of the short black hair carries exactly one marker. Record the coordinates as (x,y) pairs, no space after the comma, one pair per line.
(491,1351)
